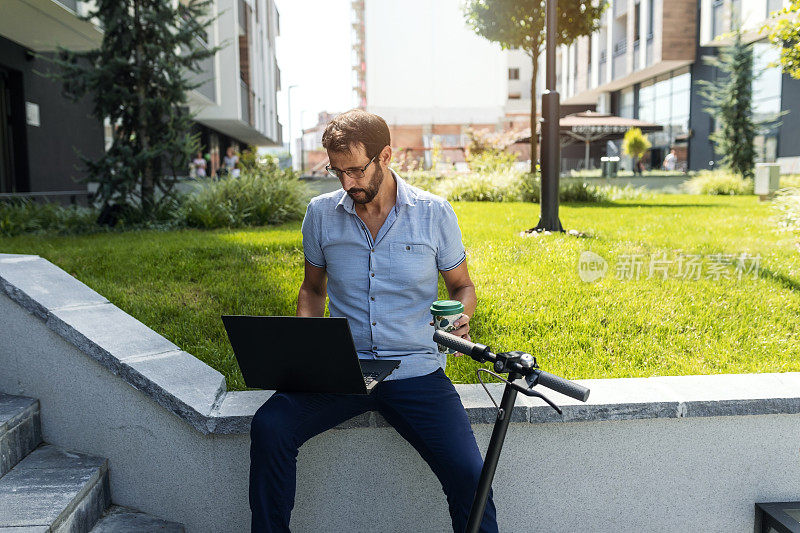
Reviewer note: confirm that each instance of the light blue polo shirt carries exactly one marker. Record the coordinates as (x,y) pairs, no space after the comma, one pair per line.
(385,288)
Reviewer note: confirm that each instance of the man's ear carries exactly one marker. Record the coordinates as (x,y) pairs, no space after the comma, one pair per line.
(385,155)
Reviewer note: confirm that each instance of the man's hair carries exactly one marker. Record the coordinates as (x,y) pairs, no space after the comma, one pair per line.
(355,127)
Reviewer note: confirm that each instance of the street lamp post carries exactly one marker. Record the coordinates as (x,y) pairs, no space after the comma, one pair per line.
(289,120)
(551,147)
(302,141)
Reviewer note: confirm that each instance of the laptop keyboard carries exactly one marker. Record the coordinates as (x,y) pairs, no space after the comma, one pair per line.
(369,377)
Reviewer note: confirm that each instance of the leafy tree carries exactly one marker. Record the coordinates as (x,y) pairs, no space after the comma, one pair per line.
(784,31)
(521,24)
(635,144)
(729,100)
(138,79)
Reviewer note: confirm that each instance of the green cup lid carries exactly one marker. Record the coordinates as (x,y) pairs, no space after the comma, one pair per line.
(447,307)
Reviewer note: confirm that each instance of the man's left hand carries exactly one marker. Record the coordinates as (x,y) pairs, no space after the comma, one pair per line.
(462,329)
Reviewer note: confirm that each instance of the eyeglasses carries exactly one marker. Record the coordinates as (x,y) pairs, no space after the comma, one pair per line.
(355,173)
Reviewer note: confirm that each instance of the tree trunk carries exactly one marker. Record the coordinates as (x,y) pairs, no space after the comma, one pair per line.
(534,141)
(147,188)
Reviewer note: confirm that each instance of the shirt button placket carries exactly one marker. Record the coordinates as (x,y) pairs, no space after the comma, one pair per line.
(372,298)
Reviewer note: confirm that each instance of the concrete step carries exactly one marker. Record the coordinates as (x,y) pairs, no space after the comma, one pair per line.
(54,490)
(124,520)
(20,429)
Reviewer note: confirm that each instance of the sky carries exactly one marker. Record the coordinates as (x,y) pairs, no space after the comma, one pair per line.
(314,53)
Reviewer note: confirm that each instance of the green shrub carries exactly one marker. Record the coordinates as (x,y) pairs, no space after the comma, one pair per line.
(27,216)
(489,161)
(424,179)
(787,204)
(255,198)
(623,173)
(790,180)
(514,186)
(499,186)
(718,182)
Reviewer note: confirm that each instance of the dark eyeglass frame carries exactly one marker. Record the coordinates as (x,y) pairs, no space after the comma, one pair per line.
(355,173)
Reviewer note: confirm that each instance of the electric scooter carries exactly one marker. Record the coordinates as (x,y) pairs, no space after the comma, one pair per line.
(518,365)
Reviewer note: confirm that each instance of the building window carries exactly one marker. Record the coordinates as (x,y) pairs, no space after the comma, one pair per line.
(513,73)
(736,14)
(718,25)
(665,101)
(773,5)
(589,50)
(766,100)
(636,20)
(650,18)
(766,82)
(626,103)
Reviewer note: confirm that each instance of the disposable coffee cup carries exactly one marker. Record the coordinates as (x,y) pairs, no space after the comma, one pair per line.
(445,312)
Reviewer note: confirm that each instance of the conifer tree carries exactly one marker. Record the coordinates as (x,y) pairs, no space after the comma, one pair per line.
(139,80)
(729,99)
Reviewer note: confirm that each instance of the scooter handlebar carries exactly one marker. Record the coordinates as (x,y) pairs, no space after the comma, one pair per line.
(482,353)
(559,384)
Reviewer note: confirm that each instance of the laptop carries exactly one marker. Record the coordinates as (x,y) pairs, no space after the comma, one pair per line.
(302,354)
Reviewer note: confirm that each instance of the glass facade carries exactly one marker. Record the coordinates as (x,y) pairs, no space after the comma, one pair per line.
(766,99)
(626,103)
(665,101)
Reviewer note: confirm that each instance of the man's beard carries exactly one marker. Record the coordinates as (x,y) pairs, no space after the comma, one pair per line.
(372,189)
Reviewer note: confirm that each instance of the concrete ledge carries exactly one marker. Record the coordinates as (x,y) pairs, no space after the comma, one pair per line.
(197,394)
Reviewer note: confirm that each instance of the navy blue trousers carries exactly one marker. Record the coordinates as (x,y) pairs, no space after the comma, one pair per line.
(425,410)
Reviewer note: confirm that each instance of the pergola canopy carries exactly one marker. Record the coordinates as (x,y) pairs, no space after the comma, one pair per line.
(590,126)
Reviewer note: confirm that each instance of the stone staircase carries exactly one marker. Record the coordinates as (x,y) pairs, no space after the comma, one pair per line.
(45,488)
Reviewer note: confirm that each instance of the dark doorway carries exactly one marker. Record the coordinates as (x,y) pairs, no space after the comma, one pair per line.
(13,149)
(6,150)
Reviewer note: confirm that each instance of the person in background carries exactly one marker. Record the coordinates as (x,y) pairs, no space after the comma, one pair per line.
(230,161)
(199,165)
(671,161)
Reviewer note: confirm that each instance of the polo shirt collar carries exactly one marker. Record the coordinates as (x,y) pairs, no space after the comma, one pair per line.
(405,196)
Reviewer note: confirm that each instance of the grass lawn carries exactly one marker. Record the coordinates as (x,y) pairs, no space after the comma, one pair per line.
(530,296)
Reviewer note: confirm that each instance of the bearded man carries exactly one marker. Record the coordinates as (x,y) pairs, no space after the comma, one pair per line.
(375,248)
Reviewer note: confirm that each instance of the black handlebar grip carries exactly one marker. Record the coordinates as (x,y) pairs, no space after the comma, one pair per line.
(474,350)
(564,386)
(453,342)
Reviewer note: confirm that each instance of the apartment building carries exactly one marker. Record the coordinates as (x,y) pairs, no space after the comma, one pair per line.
(646,60)
(237,103)
(41,131)
(419,66)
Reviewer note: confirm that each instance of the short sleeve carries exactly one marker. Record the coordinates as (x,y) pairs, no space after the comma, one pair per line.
(312,249)
(451,251)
